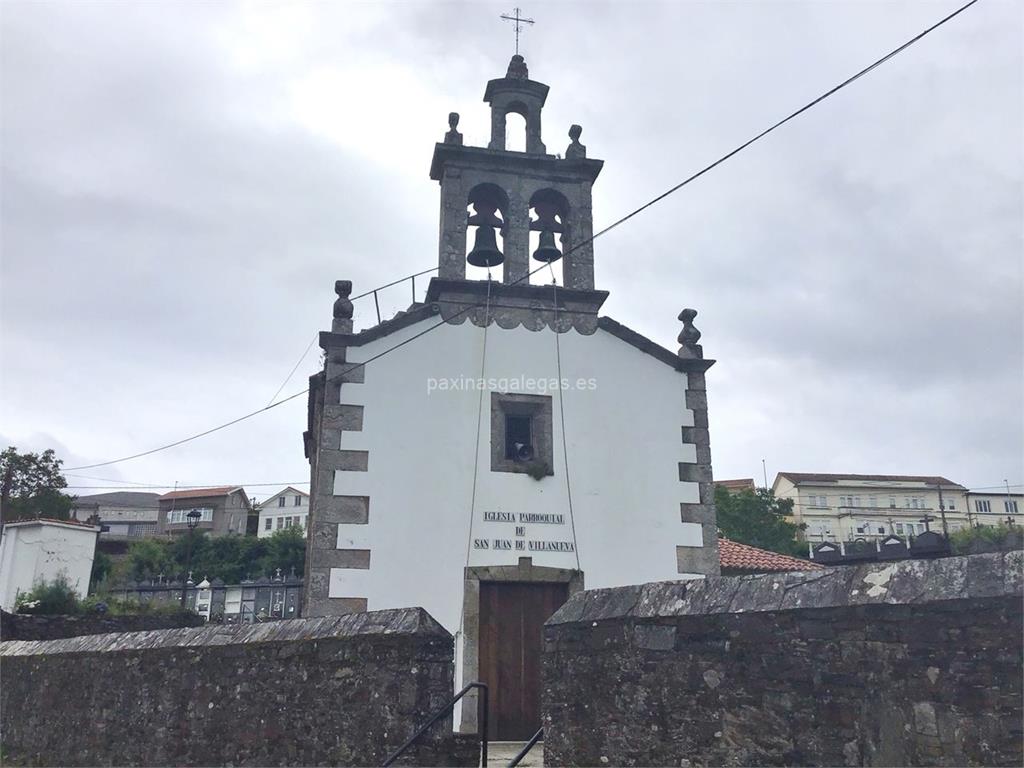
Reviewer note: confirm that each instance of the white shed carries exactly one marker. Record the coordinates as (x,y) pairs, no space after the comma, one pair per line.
(32,551)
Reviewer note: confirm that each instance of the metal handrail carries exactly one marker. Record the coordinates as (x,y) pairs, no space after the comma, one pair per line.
(376,300)
(526,750)
(481,719)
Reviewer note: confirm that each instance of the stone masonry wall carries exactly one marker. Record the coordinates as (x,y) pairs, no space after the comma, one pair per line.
(18,626)
(332,691)
(911,663)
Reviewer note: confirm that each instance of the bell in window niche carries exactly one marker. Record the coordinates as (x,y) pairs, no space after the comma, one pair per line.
(550,208)
(485,251)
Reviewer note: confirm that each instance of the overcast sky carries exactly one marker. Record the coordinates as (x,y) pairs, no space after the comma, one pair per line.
(183,182)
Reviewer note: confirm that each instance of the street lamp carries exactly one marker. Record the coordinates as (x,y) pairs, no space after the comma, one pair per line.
(192,520)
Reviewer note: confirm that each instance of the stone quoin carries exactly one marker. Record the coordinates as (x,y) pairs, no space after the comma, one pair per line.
(578,452)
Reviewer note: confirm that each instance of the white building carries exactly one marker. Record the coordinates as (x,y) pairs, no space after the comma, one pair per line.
(33,551)
(988,508)
(488,469)
(846,507)
(288,508)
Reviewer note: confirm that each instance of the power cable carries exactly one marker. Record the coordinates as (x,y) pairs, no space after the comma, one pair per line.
(561,416)
(604,231)
(294,367)
(479,422)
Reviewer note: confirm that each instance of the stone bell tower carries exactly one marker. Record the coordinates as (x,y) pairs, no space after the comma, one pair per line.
(514,193)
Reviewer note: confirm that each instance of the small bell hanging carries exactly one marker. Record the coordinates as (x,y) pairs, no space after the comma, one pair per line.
(485,251)
(546,250)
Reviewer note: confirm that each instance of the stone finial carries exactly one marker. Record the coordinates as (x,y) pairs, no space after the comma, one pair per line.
(689,336)
(517,69)
(575,150)
(342,307)
(453,136)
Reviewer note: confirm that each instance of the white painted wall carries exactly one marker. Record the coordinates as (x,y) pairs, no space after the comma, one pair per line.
(624,447)
(279,516)
(40,550)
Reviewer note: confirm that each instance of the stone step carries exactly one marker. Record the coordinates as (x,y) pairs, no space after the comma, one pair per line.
(501,753)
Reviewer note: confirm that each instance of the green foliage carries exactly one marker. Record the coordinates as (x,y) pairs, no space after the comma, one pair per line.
(148,558)
(757,518)
(31,486)
(228,558)
(985,538)
(57,596)
(114,606)
(102,564)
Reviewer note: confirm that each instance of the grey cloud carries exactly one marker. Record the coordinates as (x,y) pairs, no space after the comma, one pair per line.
(172,231)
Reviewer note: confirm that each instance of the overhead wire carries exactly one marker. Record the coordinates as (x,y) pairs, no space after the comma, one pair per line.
(561,415)
(479,423)
(586,241)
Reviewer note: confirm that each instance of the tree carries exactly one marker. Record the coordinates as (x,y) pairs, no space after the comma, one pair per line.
(759,519)
(31,486)
(229,558)
(149,558)
(286,549)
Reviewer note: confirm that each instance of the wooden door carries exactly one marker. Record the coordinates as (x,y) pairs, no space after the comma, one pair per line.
(512,616)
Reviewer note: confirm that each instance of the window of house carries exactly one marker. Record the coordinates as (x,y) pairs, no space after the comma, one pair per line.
(181,515)
(981,505)
(856,501)
(898,527)
(280,523)
(298,501)
(268,524)
(1010,506)
(280,501)
(881,529)
(892,502)
(872,501)
(521,434)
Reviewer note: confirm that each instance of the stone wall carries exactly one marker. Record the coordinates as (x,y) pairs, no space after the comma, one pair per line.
(332,691)
(911,663)
(19,626)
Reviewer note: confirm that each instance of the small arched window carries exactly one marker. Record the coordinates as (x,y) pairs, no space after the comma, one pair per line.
(515,128)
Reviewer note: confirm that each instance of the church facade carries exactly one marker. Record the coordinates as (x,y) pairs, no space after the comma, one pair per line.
(502,445)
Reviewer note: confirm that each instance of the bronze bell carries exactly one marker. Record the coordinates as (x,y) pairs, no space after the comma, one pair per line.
(546,250)
(485,251)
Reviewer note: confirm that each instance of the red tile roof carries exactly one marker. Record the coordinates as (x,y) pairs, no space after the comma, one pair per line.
(200,493)
(736,556)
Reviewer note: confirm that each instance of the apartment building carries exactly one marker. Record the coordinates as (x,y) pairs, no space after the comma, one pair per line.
(841,507)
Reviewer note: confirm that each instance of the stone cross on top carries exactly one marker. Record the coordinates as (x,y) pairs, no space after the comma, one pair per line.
(519,21)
